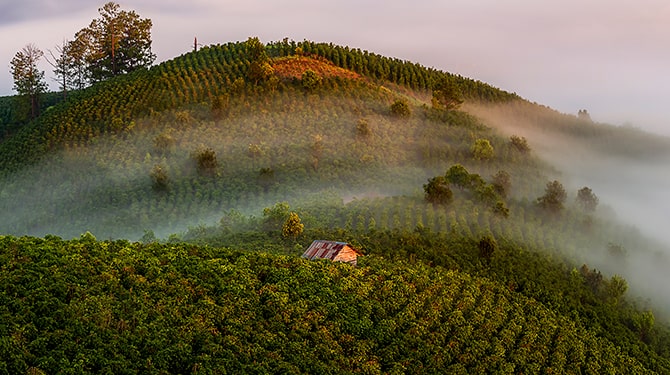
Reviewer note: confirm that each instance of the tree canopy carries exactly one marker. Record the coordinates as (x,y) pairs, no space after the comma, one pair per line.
(553,198)
(400,108)
(118,42)
(482,149)
(458,175)
(446,94)
(292,227)
(28,79)
(437,191)
(587,199)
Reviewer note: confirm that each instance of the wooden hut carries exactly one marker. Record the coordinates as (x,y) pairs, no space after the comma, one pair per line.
(335,251)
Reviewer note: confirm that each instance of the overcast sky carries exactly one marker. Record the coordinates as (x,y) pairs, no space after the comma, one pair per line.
(609,57)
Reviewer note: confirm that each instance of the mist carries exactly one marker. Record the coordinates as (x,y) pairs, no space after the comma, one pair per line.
(105,187)
(625,167)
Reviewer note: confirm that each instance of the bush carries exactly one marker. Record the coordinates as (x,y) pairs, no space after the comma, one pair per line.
(159,178)
(206,162)
(400,108)
(310,80)
(482,150)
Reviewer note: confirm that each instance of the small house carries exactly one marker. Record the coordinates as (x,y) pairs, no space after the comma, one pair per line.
(335,251)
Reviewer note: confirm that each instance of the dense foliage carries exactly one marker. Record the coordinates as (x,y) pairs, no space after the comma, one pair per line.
(85,306)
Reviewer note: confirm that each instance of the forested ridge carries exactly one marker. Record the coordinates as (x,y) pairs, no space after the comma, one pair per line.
(469,268)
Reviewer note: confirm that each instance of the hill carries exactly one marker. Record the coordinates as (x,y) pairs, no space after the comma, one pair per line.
(214,148)
(104,142)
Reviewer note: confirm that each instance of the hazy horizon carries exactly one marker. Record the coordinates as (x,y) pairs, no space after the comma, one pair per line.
(608,58)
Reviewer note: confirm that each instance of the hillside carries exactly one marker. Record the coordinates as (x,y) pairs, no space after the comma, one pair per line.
(89,306)
(104,142)
(210,151)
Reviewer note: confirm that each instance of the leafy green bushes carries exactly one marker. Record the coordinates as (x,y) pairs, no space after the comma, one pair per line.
(90,307)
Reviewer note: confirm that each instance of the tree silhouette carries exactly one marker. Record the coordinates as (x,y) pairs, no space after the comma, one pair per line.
(587,199)
(553,198)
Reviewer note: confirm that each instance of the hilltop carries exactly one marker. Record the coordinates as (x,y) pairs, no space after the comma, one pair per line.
(212,150)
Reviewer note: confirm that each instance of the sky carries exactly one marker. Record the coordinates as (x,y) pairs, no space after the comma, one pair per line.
(609,57)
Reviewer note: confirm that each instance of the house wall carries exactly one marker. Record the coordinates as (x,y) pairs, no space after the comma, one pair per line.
(347,255)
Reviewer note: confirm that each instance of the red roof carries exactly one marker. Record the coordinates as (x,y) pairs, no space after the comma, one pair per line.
(332,250)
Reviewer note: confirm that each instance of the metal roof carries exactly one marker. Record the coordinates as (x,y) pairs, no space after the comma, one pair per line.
(320,249)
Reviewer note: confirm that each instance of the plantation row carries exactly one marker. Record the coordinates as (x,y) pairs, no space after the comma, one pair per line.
(113,175)
(405,73)
(84,306)
(111,106)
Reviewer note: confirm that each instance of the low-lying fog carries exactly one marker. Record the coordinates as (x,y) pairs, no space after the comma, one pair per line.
(627,169)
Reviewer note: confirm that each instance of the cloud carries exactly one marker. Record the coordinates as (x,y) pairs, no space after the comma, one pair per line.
(31,10)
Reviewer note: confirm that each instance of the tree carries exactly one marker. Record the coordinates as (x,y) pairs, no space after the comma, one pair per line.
(587,199)
(274,216)
(310,80)
(482,149)
(583,114)
(159,178)
(644,322)
(487,246)
(616,251)
(446,94)
(500,208)
(28,79)
(520,143)
(164,143)
(400,108)
(220,106)
(259,67)
(363,129)
(206,162)
(502,183)
(255,151)
(76,55)
(437,191)
(486,193)
(292,227)
(458,175)
(119,42)
(553,198)
(61,65)
(616,288)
